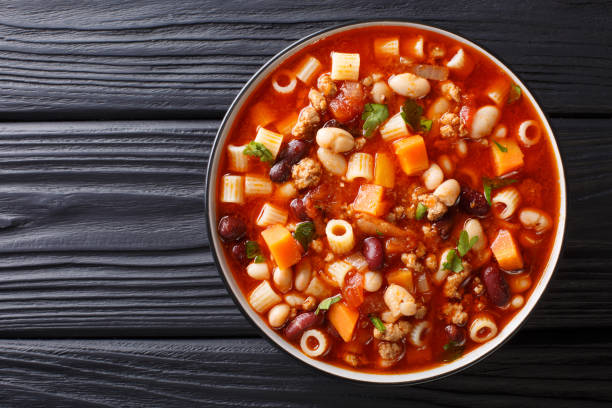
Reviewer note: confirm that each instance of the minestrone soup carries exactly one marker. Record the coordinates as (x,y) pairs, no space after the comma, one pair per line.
(387,199)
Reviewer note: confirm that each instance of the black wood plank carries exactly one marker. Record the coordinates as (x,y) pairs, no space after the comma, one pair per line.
(102,232)
(188,59)
(251,373)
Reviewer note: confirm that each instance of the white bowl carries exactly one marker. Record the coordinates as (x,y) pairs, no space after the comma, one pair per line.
(413,377)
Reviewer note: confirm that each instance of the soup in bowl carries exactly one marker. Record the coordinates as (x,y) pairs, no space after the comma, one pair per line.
(386,201)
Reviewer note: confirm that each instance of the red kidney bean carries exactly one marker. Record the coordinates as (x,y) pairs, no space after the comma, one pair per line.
(280,172)
(373,251)
(239,253)
(444,225)
(301,323)
(231,228)
(473,202)
(298,209)
(294,151)
(496,285)
(455,334)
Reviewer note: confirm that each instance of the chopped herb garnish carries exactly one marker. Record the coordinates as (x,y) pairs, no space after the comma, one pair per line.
(378,323)
(515,93)
(491,184)
(503,149)
(421,211)
(373,115)
(426,124)
(411,113)
(257,149)
(465,243)
(326,303)
(453,262)
(304,233)
(254,252)
(452,351)
(380,234)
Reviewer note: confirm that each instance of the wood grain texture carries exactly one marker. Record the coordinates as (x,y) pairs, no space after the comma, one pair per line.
(64,60)
(252,373)
(102,232)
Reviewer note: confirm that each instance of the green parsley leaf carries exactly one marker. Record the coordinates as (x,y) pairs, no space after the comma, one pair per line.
(426,124)
(411,113)
(254,252)
(326,303)
(421,211)
(515,93)
(378,323)
(373,114)
(304,233)
(380,234)
(490,184)
(503,149)
(453,262)
(257,149)
(465,244)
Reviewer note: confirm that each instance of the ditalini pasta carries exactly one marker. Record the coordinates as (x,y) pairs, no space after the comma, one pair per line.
(308,69)
(270,215)
(387,199)
(232,189)
(345,67)
(237,160)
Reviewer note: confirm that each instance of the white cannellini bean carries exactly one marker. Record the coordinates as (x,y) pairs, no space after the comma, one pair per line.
(532,218)
(517,301)
(259,271)
(442,272)
(333,162)
(474,229)
(335,139)
(432,177)
(381,93)
(282,279)
(484,121)
(277,316)
(399,301)
(438,108)
(462,148)
(500,131)
(409,85)
(294,299)
(446,164)
(372,281)
(448,192)
(510,198)
(529,133)
(303,271)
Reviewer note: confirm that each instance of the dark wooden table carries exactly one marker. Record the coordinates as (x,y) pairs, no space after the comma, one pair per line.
(108,293)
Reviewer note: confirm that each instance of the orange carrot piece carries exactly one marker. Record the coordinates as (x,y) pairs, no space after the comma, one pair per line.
(506,161)
(285,250)
(369,200)
(344,319)
(412,154)
(402,277)
(384,170)
(506,251)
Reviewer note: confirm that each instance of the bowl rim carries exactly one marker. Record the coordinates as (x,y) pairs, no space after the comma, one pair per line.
(416,377)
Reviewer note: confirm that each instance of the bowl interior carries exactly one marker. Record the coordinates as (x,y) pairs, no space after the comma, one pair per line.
(413,377)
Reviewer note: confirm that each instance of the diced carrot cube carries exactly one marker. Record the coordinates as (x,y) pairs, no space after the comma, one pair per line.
(262,114)
(384,170)
(506,251)
(369,200)
(402,277)
(344,319)
(412,154)
(283,247)
(508,160)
